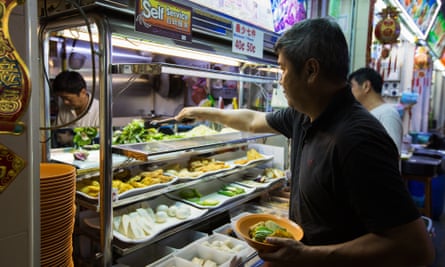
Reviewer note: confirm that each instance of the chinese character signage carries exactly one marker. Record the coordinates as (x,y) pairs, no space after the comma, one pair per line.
(15,86)
(247,40)
(10,166)
(165,18)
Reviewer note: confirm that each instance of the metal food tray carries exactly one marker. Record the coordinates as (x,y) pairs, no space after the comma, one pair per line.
(142,151)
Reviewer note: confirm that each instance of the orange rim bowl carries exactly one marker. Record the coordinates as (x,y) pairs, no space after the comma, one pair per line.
(243,224)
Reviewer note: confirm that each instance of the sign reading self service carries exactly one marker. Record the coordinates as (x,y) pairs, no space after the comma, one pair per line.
(165,18)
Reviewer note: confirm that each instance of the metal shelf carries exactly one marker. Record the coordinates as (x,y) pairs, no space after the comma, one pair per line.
(122,248)
(143,151)
(158,68)
(93,204)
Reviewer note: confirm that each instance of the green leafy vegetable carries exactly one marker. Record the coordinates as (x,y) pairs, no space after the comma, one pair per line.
(189,193)
(84,136)
(135,132)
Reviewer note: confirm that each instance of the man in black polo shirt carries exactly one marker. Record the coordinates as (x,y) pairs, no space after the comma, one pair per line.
(346,189)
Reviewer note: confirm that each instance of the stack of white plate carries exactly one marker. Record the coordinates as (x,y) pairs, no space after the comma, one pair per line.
(57,212)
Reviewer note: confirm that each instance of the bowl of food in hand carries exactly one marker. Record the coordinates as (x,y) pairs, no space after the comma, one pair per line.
(255,228)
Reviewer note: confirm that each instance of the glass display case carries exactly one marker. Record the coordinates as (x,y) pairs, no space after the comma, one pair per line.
(143,76)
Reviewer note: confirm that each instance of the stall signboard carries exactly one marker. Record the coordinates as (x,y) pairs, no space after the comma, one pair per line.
(436,36)
(254,12)
(286,13)
(247,40)
(419,15)
(164,18)
(269,15)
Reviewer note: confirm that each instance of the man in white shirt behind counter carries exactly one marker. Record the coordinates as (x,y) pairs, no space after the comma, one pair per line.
(71,87)
(366,84)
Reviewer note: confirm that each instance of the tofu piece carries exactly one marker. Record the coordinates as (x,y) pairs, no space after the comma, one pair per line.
(124,224)
(146,215)
(142,222)
(135,230)
(209,263)
(198,261)
(116,222)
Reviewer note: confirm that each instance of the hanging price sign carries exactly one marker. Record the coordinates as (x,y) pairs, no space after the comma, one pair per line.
(247,40)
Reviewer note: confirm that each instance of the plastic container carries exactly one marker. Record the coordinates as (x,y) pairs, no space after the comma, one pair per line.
(417,190)
(244,252)
(182,239)
(420,137)
(186,255)
(421,165)
(144,256)
(225,229)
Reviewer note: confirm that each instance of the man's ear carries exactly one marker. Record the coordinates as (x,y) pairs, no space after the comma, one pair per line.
(367,86)
(83,91)
(312,67)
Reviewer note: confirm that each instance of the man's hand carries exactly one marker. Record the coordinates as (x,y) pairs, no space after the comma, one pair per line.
(289,253)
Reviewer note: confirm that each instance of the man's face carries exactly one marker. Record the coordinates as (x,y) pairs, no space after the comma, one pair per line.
(292,86)
(357,90)
(74,101)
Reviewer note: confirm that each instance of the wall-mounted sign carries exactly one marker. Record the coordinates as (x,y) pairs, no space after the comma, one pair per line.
(10,166)
(419,15)
(15,85)
(164,18)
(247,40)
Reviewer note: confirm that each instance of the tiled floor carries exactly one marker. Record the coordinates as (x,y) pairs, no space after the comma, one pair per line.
(439,241)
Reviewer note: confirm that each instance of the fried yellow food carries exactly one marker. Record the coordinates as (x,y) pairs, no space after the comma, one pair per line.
(252,154)
(91,186)
(207,165)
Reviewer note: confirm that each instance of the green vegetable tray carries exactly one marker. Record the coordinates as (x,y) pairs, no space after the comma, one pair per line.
(211,194)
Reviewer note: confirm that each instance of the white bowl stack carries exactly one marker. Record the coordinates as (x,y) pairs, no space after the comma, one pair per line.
(57,213)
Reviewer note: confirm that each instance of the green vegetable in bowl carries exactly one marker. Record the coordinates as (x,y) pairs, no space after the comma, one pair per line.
(261,230)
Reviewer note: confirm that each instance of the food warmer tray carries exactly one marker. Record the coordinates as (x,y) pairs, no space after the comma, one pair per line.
(142,151)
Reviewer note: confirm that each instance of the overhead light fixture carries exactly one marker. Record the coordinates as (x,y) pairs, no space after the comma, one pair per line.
(270,69)
(143,45)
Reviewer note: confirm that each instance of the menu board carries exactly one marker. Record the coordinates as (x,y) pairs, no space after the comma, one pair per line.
(436,36)
(420,14)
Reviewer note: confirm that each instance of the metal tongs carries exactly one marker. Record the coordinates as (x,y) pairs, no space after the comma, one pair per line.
(157,123)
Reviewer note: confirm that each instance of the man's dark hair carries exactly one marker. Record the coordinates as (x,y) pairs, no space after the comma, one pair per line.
(320,38)
(368,74)
(69,82)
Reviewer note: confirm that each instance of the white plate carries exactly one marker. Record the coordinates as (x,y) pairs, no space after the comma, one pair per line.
(136,191)
(265,158)
(252,183)
(156,227)
(210,192)
(92,162)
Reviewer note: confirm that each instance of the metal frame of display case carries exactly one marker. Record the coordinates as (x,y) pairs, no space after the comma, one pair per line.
(102,51)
